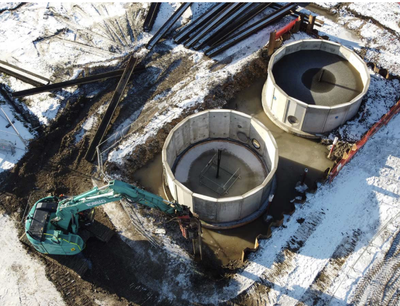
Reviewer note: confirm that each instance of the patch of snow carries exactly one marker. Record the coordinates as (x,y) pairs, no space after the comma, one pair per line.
(12,146)
(381,96)
(327,5)
(46,37)
(22,278)
(86,126)
(301,188)
(363,198)
(387,13)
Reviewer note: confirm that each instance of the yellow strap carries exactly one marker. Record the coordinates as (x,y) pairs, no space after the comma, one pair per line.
(65,241)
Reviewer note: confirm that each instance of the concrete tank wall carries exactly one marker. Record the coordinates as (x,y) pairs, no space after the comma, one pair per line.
(307,119)
(213,124)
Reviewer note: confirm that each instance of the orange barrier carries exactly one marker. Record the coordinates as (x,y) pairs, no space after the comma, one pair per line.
(285,29)
(358,145)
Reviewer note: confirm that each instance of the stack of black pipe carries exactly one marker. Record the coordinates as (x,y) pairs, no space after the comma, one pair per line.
(226,24)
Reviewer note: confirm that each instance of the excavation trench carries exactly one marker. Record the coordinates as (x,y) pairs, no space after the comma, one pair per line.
(295,154)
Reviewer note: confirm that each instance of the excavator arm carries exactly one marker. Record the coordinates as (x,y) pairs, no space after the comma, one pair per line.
(53,223)
(68,209)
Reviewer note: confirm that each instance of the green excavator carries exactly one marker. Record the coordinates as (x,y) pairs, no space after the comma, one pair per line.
(56,225)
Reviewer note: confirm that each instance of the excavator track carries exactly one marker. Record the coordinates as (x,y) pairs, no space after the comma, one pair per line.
(98,231)
(78,263)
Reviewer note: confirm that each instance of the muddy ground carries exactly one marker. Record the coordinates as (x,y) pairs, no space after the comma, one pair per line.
(56,165)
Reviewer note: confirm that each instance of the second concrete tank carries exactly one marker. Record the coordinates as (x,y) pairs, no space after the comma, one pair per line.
(314,86)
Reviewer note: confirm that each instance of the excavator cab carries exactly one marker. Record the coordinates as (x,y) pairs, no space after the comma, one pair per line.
(86,217)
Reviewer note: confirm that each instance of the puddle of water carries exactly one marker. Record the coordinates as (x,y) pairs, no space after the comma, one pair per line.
(295,154)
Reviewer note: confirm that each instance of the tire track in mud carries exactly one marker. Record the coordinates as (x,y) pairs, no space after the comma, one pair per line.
(283,266)
(381,284)
(314,295)
(67,285)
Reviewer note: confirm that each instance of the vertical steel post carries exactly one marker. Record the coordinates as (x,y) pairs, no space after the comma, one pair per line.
(335,141)
(219,162)
(304,176)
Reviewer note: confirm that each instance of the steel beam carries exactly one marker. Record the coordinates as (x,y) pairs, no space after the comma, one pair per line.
(84,80)
(23,75)
(151,16)
(250,30)
(102,129)
(199,22)
(165,28)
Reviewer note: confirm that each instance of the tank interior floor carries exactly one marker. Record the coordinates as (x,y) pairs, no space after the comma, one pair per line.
(317,77)
(239,166)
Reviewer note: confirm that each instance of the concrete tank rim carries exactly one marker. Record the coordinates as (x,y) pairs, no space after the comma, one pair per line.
(345,104)
(270,175)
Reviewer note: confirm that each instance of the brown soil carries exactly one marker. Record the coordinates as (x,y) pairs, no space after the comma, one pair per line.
(54,164)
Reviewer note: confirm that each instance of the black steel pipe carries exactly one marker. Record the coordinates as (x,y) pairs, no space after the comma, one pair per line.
(102,129)
(5,64)
(237,24)
(84,80)
(151,16)
(250,30)
(167,25)
(199,22)
(219,162)
(228,19)
(220,17)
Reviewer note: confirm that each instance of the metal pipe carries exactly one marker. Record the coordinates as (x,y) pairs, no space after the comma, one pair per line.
(102,129)
(79,81)
(151,16)
(5,64)
(170,22)
(304,176)
(199,22)
(237,24)
(250,30)
(219,162)
(214,32)
(211,24)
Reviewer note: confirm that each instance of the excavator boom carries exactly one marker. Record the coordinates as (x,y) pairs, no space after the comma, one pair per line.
(53,224)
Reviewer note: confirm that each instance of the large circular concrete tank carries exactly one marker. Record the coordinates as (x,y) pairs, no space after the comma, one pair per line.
(314,86)
(221,163)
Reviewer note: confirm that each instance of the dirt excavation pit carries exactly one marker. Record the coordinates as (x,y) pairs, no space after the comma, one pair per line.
(221,163)
(314,86)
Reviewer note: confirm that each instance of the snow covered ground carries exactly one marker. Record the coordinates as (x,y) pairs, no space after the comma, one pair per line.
(296,263)
(23,279)
(348,213)
(382,45)
(12,141)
